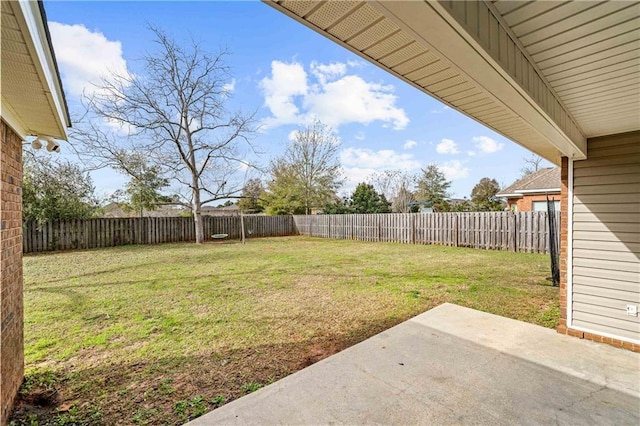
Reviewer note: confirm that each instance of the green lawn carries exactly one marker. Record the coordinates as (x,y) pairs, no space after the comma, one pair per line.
(161,334)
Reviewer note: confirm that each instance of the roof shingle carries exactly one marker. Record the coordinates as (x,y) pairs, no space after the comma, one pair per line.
(544,180)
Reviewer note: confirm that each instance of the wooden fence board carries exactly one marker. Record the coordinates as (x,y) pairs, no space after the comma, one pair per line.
(522,231)
(108,232)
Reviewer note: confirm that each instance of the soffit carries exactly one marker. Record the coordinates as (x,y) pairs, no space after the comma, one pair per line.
(30,100)
(589,53)
(377,33)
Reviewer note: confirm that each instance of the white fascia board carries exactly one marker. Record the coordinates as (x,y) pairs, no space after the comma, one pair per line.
(29,18)
(433,26)
(509,195)
(539,191)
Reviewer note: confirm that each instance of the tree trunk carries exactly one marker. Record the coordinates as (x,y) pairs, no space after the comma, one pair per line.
(197,221)
(197,217)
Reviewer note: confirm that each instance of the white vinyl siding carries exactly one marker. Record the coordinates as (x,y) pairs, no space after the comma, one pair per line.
(606,237)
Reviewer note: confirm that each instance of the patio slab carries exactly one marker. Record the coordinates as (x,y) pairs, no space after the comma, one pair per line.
(453,365)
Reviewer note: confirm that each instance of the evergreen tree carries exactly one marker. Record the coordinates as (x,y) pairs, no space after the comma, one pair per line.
(483,196)
(433,186)
(366,199)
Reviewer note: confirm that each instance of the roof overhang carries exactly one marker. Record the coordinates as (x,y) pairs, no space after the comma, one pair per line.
(466,54)
(523,192)
(509,195)
(32,100)
(539,191)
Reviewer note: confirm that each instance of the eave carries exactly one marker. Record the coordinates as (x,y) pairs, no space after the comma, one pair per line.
(32,101)
(503,63)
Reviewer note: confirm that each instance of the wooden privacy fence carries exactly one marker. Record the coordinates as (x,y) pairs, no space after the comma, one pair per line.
(106,232)
(523,231)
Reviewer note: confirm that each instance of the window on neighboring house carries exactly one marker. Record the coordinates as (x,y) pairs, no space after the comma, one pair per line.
(541,206)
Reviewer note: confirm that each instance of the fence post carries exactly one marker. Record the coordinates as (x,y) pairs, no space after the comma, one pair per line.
(413,228)
(514,228)
(456,229)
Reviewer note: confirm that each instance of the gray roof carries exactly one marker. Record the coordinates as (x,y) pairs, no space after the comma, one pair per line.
(544,180)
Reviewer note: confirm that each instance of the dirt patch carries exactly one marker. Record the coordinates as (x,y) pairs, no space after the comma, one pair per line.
(318,352)
(38,402)
(156,392)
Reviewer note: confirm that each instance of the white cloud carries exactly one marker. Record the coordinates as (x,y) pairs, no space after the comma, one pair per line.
(229,87)
(351,99)
(353,176)
(471,153)
(487,145)
(360,164)
(440,110)
(357,64)
(409,144)
(335,98)
(447,146)
(359,136)
(287,81)
(84,57)
(454,169)
(383,159)
(328,72)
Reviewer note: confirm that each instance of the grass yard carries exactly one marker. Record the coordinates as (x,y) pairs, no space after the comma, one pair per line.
(162,334)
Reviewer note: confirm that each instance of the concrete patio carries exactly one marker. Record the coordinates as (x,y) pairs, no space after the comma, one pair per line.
(453,365)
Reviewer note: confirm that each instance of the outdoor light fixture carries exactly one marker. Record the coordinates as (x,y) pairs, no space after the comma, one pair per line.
(52,145)
(36,144)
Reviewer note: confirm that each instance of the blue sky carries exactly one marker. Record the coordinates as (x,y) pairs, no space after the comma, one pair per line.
(287,73)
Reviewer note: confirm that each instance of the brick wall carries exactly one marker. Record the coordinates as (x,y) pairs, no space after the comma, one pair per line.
(525,204)
(564,221)
(11,313)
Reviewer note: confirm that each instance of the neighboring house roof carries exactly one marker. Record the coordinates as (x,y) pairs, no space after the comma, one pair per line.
(33,101)
(456,201)
(543,181)
(115,210)
(232,207)
(231,210)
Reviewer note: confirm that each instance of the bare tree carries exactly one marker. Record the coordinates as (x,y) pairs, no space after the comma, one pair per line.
(308,174)
(531,164)
(396,185)
(174,112)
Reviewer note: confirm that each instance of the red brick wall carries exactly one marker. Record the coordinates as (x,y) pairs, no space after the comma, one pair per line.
(564,221)
(11,313)
(525,204)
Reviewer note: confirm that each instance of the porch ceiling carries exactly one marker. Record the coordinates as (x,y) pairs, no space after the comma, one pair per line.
(589,52)
(467,55)
(32,100)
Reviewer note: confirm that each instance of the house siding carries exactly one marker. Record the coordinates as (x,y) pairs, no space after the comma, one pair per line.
(606,238)
(11,308)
